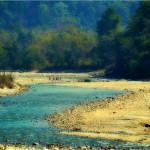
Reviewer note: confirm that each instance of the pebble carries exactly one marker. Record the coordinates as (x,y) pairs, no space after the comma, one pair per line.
(35,144)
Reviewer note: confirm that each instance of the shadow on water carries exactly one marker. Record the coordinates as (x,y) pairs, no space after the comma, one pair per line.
(22,116)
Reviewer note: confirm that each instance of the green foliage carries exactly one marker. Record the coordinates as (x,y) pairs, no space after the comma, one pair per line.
(87,80)
(139,31)
(2,56)
(107,28)
(131,48)
(109,23)
(59,35)
(43,49)
(57,14)
(71,47)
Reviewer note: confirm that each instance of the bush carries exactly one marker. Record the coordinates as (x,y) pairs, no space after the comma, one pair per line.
(6,80)
(87,80)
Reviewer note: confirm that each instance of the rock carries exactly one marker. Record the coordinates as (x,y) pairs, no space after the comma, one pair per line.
(84,148)
(19,144)
(102,147)
(147,125)
(50,146)
(35,144)
(111,147)
(76,129)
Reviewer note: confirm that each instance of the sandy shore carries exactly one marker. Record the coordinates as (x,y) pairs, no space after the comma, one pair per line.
(35,78)
(19,147)
(109,84)
(125,117)
(53,147)
(17,89)
(25,78)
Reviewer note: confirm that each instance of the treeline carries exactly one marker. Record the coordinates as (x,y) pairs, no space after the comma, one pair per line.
(39,49)
(121,51)
(124,53)
(52,35)
(57,14)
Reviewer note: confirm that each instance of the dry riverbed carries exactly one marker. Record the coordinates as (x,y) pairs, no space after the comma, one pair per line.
(125,117)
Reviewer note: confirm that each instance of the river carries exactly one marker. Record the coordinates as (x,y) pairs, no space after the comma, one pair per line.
(22,116)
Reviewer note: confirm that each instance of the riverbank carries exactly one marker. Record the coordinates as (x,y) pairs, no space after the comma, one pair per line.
(18,147)
(17,89)
(25,78)
(53,147)
(36,78)
(125,117)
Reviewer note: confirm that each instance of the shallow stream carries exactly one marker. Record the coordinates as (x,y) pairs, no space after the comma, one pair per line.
(22,116)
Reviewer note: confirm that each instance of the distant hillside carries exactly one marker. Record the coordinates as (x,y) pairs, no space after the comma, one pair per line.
(84,14)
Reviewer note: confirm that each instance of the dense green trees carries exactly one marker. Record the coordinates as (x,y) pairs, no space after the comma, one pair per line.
(139,31)
(125,53)
(40,35)
(39,49)
(60,35)
(60,13)
(107,28)
(109,23)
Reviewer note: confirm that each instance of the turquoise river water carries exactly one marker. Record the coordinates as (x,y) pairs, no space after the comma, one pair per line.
(22,116)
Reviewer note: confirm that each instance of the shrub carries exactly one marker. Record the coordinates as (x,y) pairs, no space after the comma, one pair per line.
(87,80)
(6,80)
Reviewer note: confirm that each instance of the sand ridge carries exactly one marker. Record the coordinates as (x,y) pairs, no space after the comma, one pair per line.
(121,118)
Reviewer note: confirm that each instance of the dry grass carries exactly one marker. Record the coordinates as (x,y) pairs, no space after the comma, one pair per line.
(6,80)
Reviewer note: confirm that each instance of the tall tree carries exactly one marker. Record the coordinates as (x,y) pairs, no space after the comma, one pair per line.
(109,23)
(133,46)
(139,31)
(107,28)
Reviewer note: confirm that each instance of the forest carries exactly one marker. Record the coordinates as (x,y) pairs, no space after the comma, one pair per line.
(74,35)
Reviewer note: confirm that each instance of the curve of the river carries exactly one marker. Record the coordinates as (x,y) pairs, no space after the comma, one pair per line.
(22,116)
